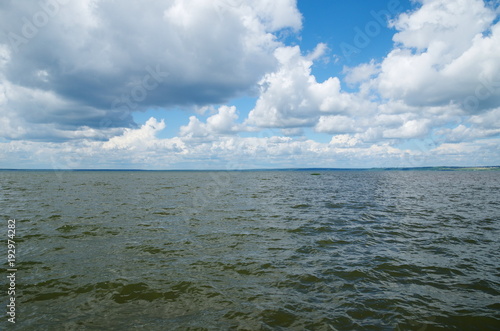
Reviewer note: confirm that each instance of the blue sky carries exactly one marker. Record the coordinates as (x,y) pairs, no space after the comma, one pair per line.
(233,84)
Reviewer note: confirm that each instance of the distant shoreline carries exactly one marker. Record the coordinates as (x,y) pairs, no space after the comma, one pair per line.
(440,168)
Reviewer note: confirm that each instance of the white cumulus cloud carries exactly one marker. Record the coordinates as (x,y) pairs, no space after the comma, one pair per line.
(292,97)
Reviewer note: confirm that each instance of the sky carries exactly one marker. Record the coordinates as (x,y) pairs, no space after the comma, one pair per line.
(242,84)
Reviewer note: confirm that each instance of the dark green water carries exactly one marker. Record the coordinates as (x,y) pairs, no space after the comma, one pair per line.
(282,250)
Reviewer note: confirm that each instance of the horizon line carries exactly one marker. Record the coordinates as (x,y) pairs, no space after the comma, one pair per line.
(268,169)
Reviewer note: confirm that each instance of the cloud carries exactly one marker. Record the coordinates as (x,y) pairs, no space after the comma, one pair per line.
(409,129)
(142,148)
(361,73)
(433,100)
(222,123)
(488,120)
(446,52)
(292,97)
(481,152)
(336,124)
(344,141)
(476,127)
(441,81)
(91,63)
(133,139)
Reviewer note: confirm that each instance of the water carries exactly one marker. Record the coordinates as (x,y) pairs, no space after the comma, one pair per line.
(266,250)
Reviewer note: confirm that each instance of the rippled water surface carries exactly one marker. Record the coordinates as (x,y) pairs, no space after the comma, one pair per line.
(265,250)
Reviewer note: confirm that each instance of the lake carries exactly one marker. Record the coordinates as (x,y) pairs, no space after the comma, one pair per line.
(254,250)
